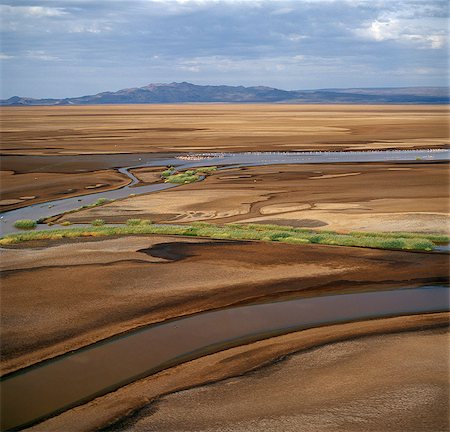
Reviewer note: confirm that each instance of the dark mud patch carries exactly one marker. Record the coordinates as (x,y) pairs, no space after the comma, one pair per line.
(176,251)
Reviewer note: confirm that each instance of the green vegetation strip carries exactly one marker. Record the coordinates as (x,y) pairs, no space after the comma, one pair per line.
(271,233)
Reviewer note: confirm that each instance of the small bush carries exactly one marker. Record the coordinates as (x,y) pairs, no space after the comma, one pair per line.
(279,236)
(168,172)
(206,170)
(25,224)
(98,222)
(131,222)
(193,232)
(66,223)
(101,201)
(393,244)
(136,222)
(182,178)
(295,240)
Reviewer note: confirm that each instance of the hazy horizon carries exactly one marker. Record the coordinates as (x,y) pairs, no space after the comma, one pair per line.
(70,48)
(237,85)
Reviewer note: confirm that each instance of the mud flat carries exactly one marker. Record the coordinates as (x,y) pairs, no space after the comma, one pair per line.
(59,297)
(346,370)
(19,190)
(344,196)
(196,128)
(390,382)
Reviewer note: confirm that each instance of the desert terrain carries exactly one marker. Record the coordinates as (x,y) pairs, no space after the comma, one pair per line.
(65,294)
(220,127)
(85,139)
(343,197)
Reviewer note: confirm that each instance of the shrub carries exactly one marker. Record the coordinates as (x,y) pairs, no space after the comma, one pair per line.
(168,172)
(279,236)
(295,240)
(98,222)
(419,244)
(206,170)
(136,222)
(182,178)
(102,201)
(132,222)
(191,232)
(66,223)
(393,244)
(25,224)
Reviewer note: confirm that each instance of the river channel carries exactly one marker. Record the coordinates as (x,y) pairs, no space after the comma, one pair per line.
(182,162)
(52,386)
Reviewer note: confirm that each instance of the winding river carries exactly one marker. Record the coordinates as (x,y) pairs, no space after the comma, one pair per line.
(182,162)
(47,388)
(52,386)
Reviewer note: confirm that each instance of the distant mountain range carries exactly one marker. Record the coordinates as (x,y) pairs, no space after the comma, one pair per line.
(190,93)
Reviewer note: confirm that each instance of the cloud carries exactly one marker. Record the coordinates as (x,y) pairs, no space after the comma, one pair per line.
(32,11)
(406,27)
(94,27)
(108,44)
(5,56)
(41,55)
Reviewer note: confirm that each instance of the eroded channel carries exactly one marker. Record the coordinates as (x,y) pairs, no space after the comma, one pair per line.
(57,207)
(50,387)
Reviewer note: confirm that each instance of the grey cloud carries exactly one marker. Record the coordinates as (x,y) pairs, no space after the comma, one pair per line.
(105,45)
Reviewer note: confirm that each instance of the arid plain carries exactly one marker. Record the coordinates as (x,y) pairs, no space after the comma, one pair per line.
(61,295)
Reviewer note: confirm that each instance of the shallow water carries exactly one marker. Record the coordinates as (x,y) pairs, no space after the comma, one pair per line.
(54,208)
(56,385)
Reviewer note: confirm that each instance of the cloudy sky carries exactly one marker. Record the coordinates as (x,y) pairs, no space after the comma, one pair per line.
(62,48)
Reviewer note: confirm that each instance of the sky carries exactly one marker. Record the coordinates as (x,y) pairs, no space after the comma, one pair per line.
(68,48)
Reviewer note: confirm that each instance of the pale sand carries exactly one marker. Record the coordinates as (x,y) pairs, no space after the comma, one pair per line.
(335,175)
(379,198)
(177,206)
(385,383)
(374,222)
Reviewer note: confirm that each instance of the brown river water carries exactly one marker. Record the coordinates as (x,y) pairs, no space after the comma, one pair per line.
(50,387)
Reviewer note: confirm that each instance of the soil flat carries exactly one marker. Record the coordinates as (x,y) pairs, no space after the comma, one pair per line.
(391,382)
(61,297)
(219,127)
(19,190)
(366,196)
(132,406)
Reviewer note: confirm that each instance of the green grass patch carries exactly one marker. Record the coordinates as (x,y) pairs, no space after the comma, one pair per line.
(182,178)
(135,222)
(25,224)
(98,222)
(171,175)
(270,233)
(168,172)
(206,170)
